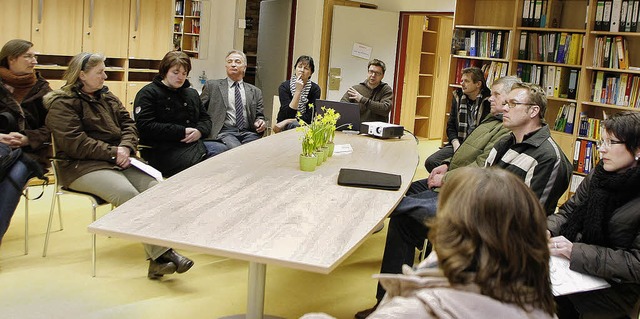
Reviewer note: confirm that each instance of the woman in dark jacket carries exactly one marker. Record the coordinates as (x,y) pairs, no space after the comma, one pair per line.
(95,140)
(22,117)
(172,120)
(598,229)
(296,95)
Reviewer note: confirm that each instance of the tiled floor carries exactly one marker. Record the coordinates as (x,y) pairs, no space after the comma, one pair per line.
(60,285)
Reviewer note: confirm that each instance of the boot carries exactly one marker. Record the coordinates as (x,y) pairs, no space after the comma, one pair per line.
(159,269)
(183,263)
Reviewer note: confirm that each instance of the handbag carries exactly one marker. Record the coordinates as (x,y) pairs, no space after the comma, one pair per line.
(8,158)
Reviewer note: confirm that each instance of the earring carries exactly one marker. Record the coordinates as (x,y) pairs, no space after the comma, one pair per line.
(637,157)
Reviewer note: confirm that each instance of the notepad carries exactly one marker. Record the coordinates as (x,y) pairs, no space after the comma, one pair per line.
(369,179)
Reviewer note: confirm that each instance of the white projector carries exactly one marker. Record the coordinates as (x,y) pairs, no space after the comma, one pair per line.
(381,129)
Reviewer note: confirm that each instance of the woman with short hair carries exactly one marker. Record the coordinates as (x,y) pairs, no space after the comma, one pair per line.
(95,139)
(297,95)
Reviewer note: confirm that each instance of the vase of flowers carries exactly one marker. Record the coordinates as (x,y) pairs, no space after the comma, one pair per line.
(308,161)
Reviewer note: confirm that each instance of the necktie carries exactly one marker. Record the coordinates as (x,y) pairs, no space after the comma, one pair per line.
(240,123)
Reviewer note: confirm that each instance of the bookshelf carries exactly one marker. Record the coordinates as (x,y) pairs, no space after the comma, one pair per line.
(591,77)
(424,97)
(186,26)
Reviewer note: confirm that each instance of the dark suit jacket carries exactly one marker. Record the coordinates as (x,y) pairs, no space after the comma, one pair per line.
(215,98)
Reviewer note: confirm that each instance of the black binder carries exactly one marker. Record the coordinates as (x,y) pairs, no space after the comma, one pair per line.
(369,179)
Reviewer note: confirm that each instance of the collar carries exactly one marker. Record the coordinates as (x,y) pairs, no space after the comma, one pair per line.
(537,137)
(230,82)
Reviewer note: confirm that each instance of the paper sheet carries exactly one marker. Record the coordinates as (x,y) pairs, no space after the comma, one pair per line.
(147,169)
(565,281)
(342,149)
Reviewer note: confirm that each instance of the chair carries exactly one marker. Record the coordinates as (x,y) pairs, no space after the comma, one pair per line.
(95,203)
(274,115)
(35,182)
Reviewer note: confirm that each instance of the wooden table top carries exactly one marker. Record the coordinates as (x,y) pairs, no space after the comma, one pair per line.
(253,203)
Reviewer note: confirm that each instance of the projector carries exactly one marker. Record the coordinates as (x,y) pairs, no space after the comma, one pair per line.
(381,129)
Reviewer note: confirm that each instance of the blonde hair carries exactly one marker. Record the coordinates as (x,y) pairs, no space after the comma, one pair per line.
(491,230)
(80,62)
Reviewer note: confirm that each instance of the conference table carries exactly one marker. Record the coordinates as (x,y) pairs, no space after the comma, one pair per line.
(253,203)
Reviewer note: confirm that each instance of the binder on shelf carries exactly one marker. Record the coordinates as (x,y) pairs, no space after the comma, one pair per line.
(573,83)
(597,88)
(526,13)
(576,154)
(551,76)
(587,161)
(472,43)
(616,6)
(522,50)
(634,16)
(568,128)
(623,54)
(606,58)
(537,13)
(555,14)
(599,13)
(623,15)
(581,157)
(606,15)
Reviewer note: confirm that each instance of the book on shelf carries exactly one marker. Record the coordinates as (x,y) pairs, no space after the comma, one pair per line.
(573,84)
(568,128)
(179,7)
(472,43)
(623,53)
(576,180)
(457,41)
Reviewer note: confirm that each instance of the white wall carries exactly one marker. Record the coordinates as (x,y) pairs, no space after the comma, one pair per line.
(414,5)
(308,33)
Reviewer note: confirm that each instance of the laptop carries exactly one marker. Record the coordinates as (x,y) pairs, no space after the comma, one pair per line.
(349,113)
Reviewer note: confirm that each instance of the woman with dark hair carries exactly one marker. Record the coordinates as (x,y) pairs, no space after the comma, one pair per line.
(172,120)
(22,116)
(488,267)
(95,139)
(598,228)
(297,95)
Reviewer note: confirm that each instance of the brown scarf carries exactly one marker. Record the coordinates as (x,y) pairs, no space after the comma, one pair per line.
(18,85)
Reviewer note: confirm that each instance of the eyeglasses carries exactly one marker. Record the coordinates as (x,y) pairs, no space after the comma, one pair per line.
(30,56)
(513,104)
(607,143)
(376,73)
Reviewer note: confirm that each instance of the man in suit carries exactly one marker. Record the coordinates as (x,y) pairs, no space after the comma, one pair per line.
(235,107)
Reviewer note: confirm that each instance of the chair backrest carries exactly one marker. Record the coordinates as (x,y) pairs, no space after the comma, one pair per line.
(274,114)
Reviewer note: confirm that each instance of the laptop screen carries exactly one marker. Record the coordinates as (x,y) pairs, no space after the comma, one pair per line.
(349,113)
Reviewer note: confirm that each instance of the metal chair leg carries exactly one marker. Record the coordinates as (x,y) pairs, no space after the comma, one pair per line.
(93,243)
(46,237)
(26,222)
(59,212)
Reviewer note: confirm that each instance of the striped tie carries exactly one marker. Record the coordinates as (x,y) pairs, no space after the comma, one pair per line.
(240,123)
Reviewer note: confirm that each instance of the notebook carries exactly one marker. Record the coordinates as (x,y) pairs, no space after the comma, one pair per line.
(369,179)
(349,113)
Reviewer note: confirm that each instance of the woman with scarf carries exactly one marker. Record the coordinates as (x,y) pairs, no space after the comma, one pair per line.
(22,117)
(598,229)
(296,96)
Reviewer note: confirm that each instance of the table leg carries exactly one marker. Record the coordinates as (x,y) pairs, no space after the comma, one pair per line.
(255,295)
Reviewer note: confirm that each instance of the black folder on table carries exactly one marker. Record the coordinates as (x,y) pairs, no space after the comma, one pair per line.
(369,179)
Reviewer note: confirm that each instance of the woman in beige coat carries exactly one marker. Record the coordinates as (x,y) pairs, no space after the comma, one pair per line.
(490,240)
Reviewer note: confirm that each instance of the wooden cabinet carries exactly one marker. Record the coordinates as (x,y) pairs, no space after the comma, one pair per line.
(105,27)
(17,14)
(56,27)
(150,28)
(425,92)
(187,25)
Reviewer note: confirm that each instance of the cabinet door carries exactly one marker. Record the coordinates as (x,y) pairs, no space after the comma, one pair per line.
(150,28)
(441,91)
(19,18)
(132,90)
(57,26)
(106,27)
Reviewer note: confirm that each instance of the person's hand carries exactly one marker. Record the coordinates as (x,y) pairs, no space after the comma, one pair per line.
(260,125)
(279,127)
(122,157)
(455,143)
(7,139)
(354,95)
(560,246)
(299,85)
(437,175)
(191,135)
(19,139)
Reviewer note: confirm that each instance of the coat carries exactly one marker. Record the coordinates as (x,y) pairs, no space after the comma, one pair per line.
(87,130)
(375,104)
(162,115)
(30,115)
(215,99)
(426,293)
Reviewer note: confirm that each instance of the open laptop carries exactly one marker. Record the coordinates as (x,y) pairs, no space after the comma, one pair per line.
(349,113)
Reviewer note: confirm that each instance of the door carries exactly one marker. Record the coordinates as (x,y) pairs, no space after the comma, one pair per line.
(150,29)
(57,26)
(106,26)
(354,26)
(17,14)
(273,44)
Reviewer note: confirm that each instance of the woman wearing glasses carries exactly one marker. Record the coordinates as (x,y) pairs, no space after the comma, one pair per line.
(22,117)
(598,229)
(95,139)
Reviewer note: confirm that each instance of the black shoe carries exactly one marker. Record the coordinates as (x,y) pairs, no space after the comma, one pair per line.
(159,269)
(183,263)
(365,313)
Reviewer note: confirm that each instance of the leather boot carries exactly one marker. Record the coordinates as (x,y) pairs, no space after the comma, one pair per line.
(159,269)
(183,263)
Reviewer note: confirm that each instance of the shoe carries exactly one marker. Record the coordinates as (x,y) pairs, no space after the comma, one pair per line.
(378,228)
(183,263)
(159,269)
(365,313)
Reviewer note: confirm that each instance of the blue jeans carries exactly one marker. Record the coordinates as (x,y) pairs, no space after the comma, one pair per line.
(214,148)
(232,137)
(10,195)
